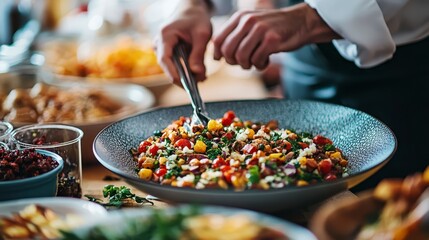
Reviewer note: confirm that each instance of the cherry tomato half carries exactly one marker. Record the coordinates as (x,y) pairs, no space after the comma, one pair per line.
(321,140)
(228,118)
(153,150)
(218,162)
(182,143)
(143,146)
(325,166)
(160,172)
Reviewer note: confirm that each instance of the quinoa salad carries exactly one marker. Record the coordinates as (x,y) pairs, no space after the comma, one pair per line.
(230,153)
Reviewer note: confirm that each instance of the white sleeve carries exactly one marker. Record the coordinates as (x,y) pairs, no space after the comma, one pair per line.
(371,29)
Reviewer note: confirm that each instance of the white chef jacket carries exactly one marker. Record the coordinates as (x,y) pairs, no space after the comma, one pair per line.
(371,29)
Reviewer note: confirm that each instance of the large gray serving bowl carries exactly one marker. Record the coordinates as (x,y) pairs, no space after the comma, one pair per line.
(43,185)
(365,141)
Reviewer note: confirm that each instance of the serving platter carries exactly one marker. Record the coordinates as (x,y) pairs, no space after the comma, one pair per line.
(121,221)
(86,211)
(366,142)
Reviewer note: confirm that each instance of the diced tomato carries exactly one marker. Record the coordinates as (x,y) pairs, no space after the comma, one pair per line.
(330,177)
(303,145)
(228,118)
(153,150)
(228,135)
(226,172)
(251,161)
(143,146)
(249,149)
(325,166)
(218,162)
(288,145)
(321,140)
(160,172)
(182,143)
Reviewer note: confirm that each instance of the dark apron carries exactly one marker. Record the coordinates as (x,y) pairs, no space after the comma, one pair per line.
(396,92)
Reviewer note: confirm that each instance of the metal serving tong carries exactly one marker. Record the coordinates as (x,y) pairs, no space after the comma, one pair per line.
(180,56)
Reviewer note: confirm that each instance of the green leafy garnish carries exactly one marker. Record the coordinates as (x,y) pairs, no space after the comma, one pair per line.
(329,147)
(117,196)
(253,174)
(213,153)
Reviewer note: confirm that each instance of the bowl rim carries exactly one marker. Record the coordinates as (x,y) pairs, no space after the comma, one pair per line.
(42,176)
(248,192)
(47,126)
(9,129)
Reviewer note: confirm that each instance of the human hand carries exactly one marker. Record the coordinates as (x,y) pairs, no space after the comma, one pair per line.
(249,37)
(192,25)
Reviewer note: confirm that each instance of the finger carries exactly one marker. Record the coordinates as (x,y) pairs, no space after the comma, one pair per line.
(247,47)
(260,58)
(230,45)
(196,58)
(165,57)
(220,37)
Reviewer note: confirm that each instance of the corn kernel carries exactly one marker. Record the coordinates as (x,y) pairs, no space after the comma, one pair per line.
(200,146)
(335,155)
(148,163)
(214,125)
(264,185)
(250,134)
(174,183)
(162,160)
(302,160)
(145,174)
(301,183)
(222,184)
(273,156)
(181,162)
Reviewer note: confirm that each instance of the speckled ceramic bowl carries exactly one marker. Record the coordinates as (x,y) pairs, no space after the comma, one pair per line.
(44,185)
(365,141)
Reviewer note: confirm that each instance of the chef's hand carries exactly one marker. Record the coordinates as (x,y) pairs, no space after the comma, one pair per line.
(192,25)
(249,37)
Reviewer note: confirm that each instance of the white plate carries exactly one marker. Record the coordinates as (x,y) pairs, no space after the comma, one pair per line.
(117,222)
(85,210)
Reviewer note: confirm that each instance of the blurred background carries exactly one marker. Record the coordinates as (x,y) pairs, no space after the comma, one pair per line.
(89,63)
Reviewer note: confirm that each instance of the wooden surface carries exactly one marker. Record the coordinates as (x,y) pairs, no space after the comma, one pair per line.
(93,183)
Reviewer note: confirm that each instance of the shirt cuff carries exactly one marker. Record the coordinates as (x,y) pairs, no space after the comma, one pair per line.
(367,40)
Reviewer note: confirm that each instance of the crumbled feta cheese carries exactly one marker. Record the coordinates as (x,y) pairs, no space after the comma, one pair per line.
(242,135)
(185,167)
(171,164)
(307,151)
(200,186)
(172,157)
(261,133)
(269,178)
(188,178)
(307,140)
(187,150)
(237,156)
(262,159)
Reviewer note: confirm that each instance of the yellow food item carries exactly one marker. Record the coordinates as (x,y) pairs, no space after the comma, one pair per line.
(36,222)
(200,147)
(123,57)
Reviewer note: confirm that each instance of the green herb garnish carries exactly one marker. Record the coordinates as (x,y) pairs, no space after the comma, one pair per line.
(117,196)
